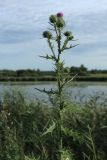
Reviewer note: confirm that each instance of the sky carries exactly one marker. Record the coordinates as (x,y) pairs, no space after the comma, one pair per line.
(22,23)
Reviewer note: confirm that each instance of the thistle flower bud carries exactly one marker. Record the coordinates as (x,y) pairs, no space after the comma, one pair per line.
(70,38)
(53,18)
(60,14)
(60,23)
(67,33)
(47,34)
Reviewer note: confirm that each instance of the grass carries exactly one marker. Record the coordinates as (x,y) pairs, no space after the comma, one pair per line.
(98,74)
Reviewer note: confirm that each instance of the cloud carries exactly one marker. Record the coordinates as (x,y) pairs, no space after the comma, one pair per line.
(23,21)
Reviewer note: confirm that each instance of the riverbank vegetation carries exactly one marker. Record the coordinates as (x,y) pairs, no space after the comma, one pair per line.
(24,134)
(37,75)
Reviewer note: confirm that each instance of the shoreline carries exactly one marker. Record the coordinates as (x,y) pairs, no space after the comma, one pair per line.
(53,82)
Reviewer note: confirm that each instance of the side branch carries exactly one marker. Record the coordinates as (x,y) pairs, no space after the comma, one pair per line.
(49,57)
(51,47)
(47,92)
(71,46)
(66,82)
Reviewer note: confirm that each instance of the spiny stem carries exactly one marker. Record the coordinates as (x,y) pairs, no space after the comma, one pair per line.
(59,87)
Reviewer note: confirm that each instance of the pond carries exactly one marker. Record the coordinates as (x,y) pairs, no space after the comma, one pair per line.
(77,91)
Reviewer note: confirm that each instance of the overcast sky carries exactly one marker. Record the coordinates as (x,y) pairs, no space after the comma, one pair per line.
(23,21)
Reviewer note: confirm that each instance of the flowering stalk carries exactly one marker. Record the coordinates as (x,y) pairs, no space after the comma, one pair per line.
(61,39)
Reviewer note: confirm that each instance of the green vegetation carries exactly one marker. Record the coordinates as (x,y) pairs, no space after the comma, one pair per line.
(36,75)
(23,126)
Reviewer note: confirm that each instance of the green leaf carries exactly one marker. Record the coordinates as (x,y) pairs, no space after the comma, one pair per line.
(50,129)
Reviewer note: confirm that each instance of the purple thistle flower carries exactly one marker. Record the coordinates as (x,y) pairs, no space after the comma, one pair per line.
(60,14)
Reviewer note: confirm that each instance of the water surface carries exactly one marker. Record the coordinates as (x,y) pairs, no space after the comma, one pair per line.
(76,91)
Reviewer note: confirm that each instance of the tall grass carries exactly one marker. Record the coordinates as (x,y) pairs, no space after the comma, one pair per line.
(23,125)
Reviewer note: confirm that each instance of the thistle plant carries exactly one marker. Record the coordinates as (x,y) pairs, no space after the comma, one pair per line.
(58,41)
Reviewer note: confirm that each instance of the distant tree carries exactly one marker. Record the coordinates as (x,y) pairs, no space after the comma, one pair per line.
(38,72)
(74,70)
(82,70)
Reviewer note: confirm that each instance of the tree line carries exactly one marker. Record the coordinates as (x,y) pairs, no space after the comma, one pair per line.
(81,70)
